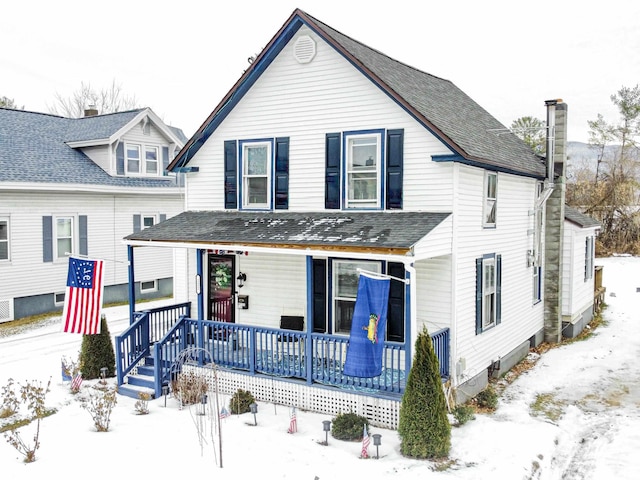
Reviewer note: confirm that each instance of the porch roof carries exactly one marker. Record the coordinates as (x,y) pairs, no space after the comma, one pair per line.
(384,232)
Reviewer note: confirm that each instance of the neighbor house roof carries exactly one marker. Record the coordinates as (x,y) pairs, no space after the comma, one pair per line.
(472,134)
(382,231)
(581,219)
(33,148)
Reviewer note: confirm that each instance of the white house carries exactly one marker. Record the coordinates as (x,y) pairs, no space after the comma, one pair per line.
(78,186)
(327,158)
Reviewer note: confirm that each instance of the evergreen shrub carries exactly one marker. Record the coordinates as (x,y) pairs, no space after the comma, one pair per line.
(97,352)
(348,426)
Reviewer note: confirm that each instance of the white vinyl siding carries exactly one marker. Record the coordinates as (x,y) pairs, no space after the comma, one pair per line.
(109,221)
(342,100)
(577,294)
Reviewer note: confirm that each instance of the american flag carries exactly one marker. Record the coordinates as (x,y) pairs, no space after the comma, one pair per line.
(76,382)
(365,443)
(224,413)
(83,297)
(293,423)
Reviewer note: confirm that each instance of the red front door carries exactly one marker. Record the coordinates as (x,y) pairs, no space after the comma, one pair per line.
(221,288)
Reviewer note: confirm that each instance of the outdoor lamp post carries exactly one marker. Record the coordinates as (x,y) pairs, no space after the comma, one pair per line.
(326,426)
(254,410)
(203,402)
(376,442)
(165,392)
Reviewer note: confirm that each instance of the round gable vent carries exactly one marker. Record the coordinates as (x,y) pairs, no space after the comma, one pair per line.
(304,49)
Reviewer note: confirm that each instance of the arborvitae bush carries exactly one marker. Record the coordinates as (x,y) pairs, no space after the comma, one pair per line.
(424,428)
(463,413)
(487,398)
(97,352)
(348,426)
(240,401)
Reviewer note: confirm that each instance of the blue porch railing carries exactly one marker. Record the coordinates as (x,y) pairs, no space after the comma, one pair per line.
(315,358)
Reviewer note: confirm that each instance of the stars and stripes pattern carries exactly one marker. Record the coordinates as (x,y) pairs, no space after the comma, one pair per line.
(76,382)
(293,422)
(83,297)
(365,443)
(224,413)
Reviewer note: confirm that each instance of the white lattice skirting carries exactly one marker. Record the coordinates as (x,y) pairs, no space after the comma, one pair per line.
(380,412)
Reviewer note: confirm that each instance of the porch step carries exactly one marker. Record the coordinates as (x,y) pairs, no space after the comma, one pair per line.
(134,391)
(142,382)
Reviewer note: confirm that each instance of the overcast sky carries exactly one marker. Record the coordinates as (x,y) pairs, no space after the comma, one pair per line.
(180,58)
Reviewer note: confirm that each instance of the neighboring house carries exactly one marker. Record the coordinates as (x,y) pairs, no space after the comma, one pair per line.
(578,285)
(327,157)
(78,186)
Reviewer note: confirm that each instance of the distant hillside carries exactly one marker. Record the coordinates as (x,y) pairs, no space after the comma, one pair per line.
(580,154)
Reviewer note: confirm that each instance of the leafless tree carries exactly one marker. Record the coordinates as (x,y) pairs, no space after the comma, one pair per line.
(106,100)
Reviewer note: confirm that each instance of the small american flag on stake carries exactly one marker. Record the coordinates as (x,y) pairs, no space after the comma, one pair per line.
(83,297)
(365,443)
(224,413)
(293,423)
(76,382)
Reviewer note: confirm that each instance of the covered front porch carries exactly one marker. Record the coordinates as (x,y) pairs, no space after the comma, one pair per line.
(241,275)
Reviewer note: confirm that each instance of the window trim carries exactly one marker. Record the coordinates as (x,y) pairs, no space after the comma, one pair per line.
(589,259)
(56,239)
(537,284)
(144,216)
(379,135)
(142,170)
(486,199)
(57,302)
(333,286)
(481,262)
(157,161)
(244,190)
(487,290)
(6,219)
(153,288)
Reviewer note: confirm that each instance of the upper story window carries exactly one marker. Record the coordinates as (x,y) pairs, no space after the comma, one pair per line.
(256,174)
(4,238)
(490,198)
(148,221)
(142,159)
(363,172)
(64,238)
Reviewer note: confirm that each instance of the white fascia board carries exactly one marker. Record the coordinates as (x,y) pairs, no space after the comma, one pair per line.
(89,143)
(160,125)
(85,188)
(406,259)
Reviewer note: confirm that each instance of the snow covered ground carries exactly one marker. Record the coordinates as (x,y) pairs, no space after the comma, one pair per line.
(590,391)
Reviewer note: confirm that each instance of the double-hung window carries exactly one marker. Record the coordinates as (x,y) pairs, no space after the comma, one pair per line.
(256,175)
(345,288)
(132,160)
(488,291)
(588,258)
(4,238)
(148,221)
(363,170)
(490,199)
(151,158)
(64,236)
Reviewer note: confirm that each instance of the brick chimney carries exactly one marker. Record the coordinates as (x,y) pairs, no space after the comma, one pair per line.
(554,218)
(91,111)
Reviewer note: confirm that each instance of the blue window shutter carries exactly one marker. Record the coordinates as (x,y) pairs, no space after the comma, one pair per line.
(120,159)
(230,174)
(83,244)
(332,171)
(319,295)
(395,310)
(395,161)
(282,173)
(498,288)
(163,217)
(137,220)
(47,239)
(165,159)
(478,295)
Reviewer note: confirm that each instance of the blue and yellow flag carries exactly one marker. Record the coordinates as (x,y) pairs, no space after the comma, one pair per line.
(366,341)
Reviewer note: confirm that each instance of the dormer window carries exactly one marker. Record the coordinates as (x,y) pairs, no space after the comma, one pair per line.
(137,164)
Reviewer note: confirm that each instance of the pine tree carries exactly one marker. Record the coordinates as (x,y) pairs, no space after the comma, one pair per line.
(97,352)
(424,428)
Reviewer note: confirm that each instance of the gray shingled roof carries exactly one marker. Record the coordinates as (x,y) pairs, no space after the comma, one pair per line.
(374,230)
(33,149)
(451,111)
(467,128)
(582,220)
